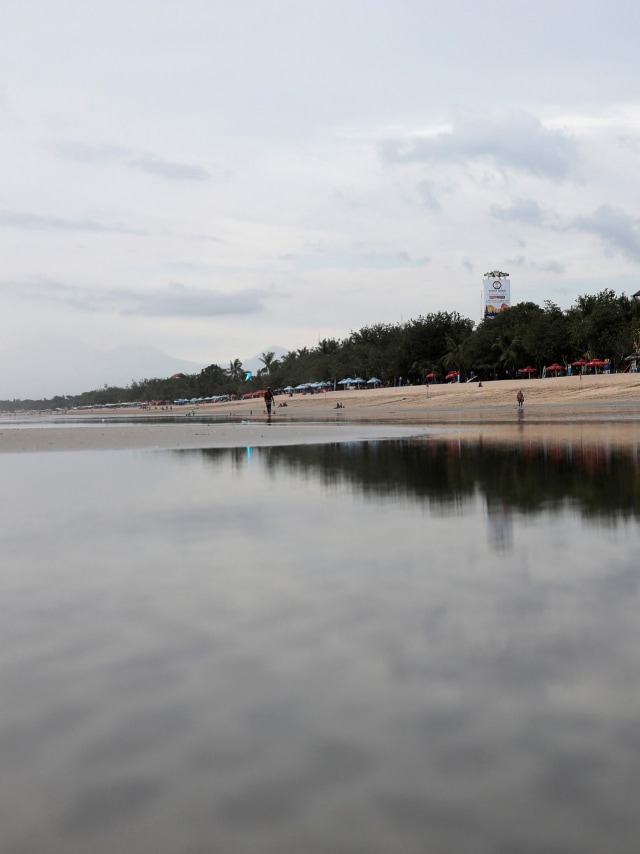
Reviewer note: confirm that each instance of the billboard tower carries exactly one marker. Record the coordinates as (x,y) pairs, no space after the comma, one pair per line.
(496,293)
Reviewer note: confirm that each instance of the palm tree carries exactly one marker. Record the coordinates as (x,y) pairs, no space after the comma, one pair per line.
(510,350)
(236,371)
(267,360)
(456,342)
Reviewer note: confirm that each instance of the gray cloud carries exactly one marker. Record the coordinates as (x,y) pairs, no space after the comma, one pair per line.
(166,169)
(512,141)
(526,211)
(80,152)
(210,238)
(358,261)
(176,301)
(37,222)
(351,199)
(549,267)
(183,302)
(152,164)
(428,197)
(618,231)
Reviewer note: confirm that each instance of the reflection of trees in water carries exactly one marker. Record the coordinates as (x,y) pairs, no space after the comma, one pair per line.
(602,482)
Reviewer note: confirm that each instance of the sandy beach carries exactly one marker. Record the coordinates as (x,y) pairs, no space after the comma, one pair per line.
(590,408)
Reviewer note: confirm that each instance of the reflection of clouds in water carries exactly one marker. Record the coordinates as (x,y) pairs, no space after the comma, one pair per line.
(251,660)
(499,525)
(103,807)
(138,736)
(324,766)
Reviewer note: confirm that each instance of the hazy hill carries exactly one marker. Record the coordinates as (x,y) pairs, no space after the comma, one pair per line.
(55,365)
(254,364)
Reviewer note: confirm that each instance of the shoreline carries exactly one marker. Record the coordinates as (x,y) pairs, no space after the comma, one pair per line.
(604,409)
(190,435)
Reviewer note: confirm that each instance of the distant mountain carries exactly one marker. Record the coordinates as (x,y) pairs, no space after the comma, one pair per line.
(54,365)
(254,364)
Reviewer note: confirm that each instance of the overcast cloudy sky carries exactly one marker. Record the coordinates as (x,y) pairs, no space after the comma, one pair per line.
(213,177)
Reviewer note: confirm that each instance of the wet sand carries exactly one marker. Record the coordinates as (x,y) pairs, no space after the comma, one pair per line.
(564,409)
(113,435)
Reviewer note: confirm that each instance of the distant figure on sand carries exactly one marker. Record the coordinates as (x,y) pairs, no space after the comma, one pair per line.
(268,401)
(520,397)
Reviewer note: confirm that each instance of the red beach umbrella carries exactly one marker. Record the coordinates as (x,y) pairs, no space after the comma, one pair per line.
(431,376)
(452,374)
(528,370)
(579,363)
(556,367)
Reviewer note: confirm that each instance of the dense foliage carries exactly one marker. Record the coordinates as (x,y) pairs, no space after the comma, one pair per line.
(601,325)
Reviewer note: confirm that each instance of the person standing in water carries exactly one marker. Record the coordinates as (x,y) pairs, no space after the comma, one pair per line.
(520,398)
(268,401)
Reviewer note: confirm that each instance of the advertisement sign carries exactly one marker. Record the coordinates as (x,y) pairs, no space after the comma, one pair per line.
(496,295)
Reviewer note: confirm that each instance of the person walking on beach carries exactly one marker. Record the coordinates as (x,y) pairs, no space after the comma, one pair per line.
(268,401)
(520,398)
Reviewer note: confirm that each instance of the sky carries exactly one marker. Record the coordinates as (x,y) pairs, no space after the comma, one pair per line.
(211,178)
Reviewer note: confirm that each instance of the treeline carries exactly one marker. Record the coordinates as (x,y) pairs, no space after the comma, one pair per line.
(603,325)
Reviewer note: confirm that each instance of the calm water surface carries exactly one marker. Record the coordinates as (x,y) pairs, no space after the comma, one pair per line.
(392,647)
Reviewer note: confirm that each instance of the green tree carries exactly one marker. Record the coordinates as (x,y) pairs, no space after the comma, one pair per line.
(509,348)
(212,380)
(236,371)
(455,356)
(267,360)
(603,325)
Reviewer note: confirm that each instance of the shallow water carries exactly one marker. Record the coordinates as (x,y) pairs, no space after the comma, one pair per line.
(398,646)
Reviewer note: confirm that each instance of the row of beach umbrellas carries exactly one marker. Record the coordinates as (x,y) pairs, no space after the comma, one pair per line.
(579,363)
(325,384)
(359,381)
(529,370)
